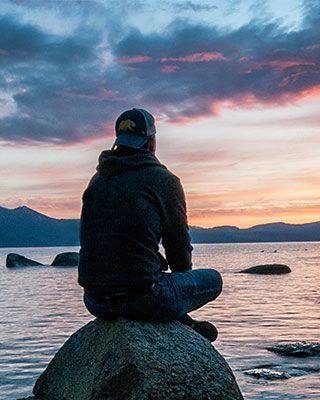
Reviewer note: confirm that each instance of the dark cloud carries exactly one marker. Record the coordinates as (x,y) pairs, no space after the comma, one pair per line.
(252,64)
(71,87)
(22,43)
(56,83)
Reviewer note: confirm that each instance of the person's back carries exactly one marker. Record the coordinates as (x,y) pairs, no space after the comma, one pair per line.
(131,204)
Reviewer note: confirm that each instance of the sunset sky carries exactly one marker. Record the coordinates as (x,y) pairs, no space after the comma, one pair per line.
(234,86)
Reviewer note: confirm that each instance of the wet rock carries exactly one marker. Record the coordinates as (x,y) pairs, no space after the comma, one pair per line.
(69,259)
(16,260)
(297,349)
(266,373)
(267,269)
(312,369)
(136,360)
(29,398)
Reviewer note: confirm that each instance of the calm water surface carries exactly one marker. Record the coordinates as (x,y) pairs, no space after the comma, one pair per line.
(40,307)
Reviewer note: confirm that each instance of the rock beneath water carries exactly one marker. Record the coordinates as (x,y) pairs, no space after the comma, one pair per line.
(136,360)
(266,373)
(267,269)
(69,259)
(298,349)
(15,260)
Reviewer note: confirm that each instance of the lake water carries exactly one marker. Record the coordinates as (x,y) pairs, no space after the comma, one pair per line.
(40,307)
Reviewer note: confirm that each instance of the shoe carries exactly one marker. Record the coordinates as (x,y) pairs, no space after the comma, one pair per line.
(206,329)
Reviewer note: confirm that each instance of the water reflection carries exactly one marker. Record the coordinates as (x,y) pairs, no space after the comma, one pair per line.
(40,307)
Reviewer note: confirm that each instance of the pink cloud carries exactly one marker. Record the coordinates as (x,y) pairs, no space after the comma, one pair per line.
(191,58)
(283,64)
(169,69)
(134,59)
(195,57)
(182,121)
(312,92)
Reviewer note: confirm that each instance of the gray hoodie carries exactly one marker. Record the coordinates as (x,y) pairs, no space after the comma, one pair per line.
(132,203)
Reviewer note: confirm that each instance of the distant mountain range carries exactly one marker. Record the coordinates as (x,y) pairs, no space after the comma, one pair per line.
(277,232)
(24,227)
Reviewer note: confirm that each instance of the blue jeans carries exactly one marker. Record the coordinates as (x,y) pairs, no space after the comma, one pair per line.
(174,295)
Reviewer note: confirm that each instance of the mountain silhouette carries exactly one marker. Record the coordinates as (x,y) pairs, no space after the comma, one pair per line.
(24,227)
(275,232)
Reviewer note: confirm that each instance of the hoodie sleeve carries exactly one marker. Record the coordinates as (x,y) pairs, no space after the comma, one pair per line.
(175,231)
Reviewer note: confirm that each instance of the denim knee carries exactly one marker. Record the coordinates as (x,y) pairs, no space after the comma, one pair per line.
(217,283)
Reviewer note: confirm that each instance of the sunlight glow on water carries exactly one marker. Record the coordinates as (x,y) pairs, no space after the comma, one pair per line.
(40,307)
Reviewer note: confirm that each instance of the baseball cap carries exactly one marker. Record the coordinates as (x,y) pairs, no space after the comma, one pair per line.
(134,128)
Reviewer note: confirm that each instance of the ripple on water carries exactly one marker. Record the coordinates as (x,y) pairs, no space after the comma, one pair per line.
(41,307)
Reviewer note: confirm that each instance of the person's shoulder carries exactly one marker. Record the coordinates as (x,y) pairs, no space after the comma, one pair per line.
(165,173)
(166,180)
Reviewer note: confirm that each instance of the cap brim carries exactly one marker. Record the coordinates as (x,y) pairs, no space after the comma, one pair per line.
(134,141)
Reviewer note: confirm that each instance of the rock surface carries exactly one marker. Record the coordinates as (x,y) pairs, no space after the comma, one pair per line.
(135,360)
(297,349)
(267,373)
(69,259)
(15,260)
(267,269)
(28,398)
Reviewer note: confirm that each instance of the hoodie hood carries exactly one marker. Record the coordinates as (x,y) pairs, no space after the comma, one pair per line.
(113,162)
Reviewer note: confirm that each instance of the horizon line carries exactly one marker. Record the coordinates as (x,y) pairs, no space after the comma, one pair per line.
(190,226)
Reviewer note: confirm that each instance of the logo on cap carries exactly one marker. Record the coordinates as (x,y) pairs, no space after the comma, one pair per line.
(127,124)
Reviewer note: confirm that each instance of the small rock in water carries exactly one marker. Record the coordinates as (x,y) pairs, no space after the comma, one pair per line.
(265,373)
(267,269)
(297,349)
(15,260)
(68,259)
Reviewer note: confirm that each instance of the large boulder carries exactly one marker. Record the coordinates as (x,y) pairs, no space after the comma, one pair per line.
(15,260)
(267,269)
(69,259)
(135,360)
